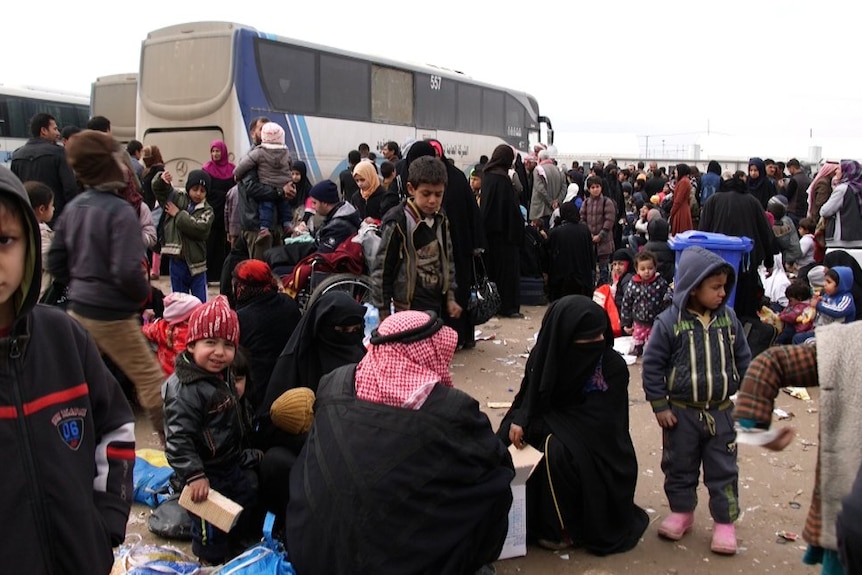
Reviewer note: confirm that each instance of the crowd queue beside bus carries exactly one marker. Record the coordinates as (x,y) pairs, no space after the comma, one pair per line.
(396,470)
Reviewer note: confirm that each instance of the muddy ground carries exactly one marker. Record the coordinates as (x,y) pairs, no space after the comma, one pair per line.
(774,488)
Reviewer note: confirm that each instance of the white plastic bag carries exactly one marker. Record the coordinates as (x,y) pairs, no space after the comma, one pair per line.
(774,285)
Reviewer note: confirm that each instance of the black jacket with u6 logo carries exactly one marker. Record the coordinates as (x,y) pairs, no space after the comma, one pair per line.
(67,446)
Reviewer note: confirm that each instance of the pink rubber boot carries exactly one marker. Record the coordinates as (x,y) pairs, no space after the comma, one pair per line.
(154,269)
(676,525)
(724,539)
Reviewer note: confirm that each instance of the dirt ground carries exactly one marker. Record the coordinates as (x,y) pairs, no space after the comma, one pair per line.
(774,488)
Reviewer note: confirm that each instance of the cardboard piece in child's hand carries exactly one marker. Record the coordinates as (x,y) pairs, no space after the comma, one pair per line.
(217,509)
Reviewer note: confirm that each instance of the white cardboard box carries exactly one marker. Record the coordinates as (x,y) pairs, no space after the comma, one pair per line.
(525,461)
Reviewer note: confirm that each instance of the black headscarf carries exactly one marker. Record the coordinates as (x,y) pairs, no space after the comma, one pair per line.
(682,170)
(316,348)
(417,150)
(760,180)
(588,422)
(558,371)
(304,185)
(714,168)
(501,160)
(733,185)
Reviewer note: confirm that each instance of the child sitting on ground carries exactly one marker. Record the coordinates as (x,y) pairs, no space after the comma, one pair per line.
(795,321)
(835,305)
(203,423)
(272,160)
(170,332)
(42,200)
(695,359)
(646,296)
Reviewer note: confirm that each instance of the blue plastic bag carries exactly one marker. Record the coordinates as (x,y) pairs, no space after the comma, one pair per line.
(266,558)
(152,483)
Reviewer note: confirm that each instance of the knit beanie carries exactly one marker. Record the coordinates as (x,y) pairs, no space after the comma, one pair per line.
(214,319)
(272,136)
(252,278)
(325,191)
(95,158)
(817,277)
(179,307)
(198,178)
(293,411)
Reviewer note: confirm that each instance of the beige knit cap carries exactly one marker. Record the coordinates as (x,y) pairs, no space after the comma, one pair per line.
(293,411)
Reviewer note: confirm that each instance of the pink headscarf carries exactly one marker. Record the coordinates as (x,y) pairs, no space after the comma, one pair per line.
(827,170)
(223,169)
(404,374)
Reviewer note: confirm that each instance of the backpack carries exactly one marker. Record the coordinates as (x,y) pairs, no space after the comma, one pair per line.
(694,205)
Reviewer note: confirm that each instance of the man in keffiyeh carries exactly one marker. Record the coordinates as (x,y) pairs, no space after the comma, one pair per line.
(401,473)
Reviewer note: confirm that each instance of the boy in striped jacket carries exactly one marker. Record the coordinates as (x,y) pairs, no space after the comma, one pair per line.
(693,362)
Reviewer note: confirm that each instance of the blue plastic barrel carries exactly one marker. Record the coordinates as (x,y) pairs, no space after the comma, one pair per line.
(731,249)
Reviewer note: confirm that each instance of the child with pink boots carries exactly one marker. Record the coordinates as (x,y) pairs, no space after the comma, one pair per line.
(693,363)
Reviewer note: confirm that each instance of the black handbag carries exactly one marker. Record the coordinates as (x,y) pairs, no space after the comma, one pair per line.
(484,295)
(56,294)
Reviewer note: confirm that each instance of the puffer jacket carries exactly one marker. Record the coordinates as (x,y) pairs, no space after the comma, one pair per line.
(685,361)
(203,420)
(393,278)
(170,341)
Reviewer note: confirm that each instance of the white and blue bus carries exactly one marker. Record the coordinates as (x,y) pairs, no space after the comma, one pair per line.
(19,105)
(204,81)
(116,98)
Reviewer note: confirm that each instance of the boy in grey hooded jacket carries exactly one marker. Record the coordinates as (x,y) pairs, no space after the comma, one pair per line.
(695,358)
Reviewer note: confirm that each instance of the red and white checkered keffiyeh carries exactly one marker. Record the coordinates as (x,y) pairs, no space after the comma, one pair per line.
(404,374)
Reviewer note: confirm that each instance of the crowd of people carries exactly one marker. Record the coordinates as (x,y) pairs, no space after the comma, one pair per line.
(395,470)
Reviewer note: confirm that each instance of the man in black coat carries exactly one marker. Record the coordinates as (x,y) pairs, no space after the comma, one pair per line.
(41,159)
(733,211)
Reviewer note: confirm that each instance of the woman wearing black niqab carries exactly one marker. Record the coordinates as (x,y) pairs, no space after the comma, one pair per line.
(504,230)
(573,406)
(328,336)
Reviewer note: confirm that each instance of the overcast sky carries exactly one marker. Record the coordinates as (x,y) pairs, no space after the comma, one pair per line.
(664,69)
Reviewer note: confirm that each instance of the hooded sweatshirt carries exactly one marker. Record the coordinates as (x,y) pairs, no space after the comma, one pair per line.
(838,307)
(686,361)
(65,428)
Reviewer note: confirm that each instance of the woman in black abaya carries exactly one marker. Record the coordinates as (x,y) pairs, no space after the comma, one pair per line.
(328,336)
(573,406)
(504,230)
